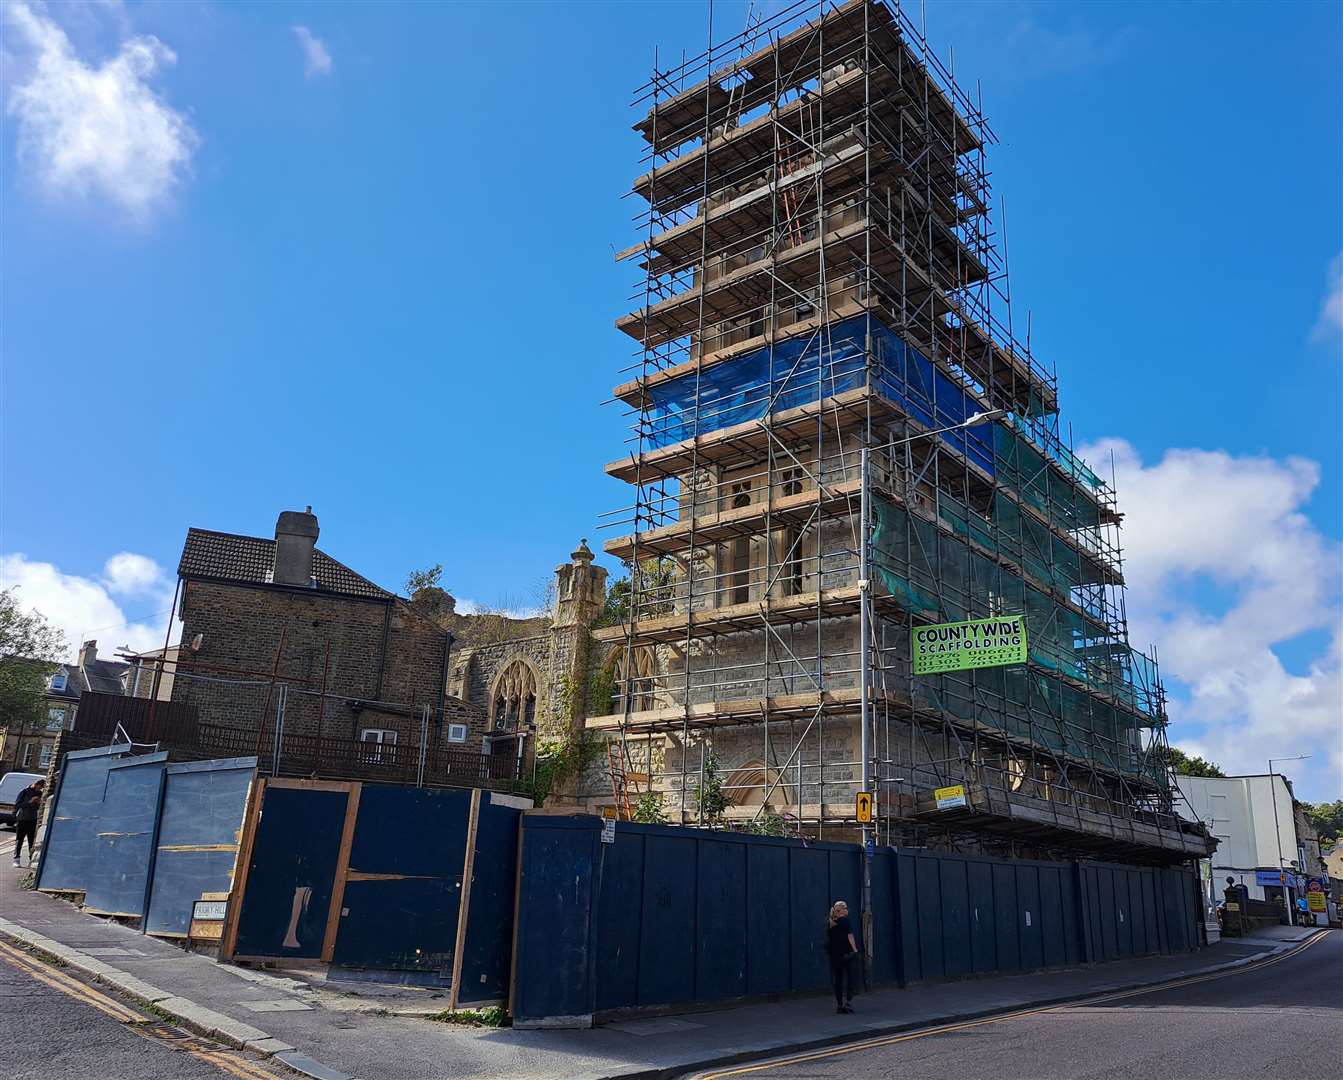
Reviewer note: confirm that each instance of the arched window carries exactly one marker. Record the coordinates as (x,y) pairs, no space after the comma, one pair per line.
(513,703)
(637,686)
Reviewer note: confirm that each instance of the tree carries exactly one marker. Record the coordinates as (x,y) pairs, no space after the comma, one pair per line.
(1191,764)
(709,796)
(30,649)
(1327,818)
(657,583)
(649,809)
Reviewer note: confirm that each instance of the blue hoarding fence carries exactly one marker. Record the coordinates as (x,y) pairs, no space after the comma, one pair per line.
(141,838)
(380,877)
(667,917)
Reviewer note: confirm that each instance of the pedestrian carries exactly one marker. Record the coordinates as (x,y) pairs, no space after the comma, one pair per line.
(26,808)
(841,949)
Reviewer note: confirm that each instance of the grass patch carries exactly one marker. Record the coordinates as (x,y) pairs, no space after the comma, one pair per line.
(29,880)
(494,1016)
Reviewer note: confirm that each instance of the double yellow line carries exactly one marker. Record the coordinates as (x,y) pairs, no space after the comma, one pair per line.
(227,1060)
(891,1040)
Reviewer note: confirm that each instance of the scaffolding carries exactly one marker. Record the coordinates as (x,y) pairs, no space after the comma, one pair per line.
(823,323)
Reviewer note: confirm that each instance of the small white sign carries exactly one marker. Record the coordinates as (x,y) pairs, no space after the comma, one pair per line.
(608,830)
(208,910)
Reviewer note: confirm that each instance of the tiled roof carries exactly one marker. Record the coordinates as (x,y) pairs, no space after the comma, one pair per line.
(250,559)
(104,676)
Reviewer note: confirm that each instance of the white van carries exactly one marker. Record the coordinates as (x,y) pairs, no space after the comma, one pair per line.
(10,786)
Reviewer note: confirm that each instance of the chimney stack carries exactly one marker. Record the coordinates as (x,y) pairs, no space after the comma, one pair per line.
(295,538)
(88,654)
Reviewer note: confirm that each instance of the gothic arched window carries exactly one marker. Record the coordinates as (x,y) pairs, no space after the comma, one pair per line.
(513,703)
(639,686)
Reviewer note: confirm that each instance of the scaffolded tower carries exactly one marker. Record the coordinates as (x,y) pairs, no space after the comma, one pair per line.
(823,324)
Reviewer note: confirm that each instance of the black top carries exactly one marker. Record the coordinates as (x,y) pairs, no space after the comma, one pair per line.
(837,939)
(27,804)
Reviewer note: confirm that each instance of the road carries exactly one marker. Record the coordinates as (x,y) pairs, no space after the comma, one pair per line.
(1281,1018)
(54,1024)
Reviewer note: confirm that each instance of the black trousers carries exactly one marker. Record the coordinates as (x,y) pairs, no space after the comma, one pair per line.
(22,829)
(841,976)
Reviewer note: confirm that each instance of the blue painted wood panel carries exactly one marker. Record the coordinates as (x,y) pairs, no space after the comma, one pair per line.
(199,828)
(767,915)
(293,868)
(124,837)
(667,942)
(70,844)
(487,951)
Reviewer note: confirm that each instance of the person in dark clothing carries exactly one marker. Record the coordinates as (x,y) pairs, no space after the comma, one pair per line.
(841,949)
(26,808)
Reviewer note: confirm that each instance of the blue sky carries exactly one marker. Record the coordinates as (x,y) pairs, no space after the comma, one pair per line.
(367,265)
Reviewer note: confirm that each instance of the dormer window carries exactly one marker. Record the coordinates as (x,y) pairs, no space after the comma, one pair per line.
(58,682)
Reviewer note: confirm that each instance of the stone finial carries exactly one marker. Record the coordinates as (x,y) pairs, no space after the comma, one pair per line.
(583,553)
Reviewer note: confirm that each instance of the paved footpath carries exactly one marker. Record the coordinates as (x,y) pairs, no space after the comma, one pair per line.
(348,1034)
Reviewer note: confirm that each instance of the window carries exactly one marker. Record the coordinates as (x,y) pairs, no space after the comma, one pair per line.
(27,756)
(44,759)
(513,702)
(58,682)
(56,718)
(378,746)
(457,733)
(739,584)
(638,688)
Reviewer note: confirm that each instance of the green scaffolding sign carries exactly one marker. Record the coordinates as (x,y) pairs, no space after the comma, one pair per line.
(960,646)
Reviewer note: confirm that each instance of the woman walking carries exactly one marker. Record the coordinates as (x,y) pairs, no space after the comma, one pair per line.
(841,948)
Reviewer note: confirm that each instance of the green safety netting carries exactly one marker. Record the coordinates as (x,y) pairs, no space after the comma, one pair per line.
(938,577)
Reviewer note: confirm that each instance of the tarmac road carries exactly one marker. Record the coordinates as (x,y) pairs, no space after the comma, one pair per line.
(53,1024)
(1280,1018)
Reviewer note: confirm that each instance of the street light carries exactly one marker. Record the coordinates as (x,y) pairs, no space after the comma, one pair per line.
(864,644)
(1273,791)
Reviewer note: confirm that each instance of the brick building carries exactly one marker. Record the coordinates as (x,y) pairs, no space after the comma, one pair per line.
(28,745)
(275,628)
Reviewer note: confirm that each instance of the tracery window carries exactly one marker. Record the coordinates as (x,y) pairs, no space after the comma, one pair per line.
(635,679)
(513,703)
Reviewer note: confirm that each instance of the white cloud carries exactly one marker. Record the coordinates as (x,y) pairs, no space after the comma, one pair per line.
(132,574)
(1223,567)
(97,131)
(1329,326)
(316,56)
(84,607)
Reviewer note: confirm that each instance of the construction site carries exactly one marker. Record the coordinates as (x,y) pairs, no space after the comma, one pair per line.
(839,435)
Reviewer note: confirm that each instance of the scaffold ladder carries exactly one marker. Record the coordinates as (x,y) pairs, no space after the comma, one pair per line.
(622,779)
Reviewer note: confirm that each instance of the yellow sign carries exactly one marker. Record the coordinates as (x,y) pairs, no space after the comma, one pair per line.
(1315,901)
(610,813)
(1232,906)
(862,807)
(948,798)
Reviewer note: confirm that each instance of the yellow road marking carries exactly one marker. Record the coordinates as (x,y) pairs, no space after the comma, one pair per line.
(872,1044)
(228,1061)
(58,980)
